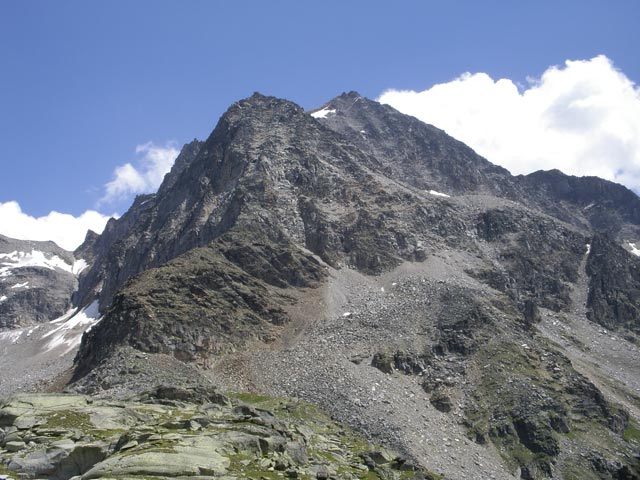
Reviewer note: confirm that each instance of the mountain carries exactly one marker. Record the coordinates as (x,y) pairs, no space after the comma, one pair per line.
(483,324)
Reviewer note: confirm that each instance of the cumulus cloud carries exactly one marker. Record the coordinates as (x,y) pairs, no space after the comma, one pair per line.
(582,118)
(64,229)
(153,163)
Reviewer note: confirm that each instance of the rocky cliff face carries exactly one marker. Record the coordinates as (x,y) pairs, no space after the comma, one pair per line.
(614,287)
(605,206)
(374,266)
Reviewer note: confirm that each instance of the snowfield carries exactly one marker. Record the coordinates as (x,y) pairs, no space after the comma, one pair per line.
(45,351)
(36,258)
(71,327)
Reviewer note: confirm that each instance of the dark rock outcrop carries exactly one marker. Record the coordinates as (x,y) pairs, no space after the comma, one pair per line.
(605,205)
(201,304)
(614,285)
(538,258)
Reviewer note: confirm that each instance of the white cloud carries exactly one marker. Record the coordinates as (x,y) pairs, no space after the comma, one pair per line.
(582,118)
(64,229)
(153,163)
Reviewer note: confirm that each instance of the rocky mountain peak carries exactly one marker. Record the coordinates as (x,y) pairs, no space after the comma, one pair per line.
(256,108)
(187,154)
(412,151)
(606,205)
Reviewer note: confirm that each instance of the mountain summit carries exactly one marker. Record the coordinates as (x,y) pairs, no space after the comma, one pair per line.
(371,264)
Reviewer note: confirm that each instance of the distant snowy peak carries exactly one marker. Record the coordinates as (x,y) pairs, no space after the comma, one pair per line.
(37,281)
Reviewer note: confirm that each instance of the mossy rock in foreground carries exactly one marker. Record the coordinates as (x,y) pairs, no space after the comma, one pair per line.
(170,432)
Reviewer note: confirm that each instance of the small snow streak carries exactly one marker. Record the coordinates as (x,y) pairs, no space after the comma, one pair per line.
(439,194)
(21,285)
(634,250)
(323,113)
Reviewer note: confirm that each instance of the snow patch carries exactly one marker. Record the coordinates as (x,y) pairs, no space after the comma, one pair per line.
(21,285)
(634,249)
(3,298)
(588,249)
(323,113)
(439,194)
(589,206)
(35,258)
(347,314)
(64,317)
(71,327)
(78,266)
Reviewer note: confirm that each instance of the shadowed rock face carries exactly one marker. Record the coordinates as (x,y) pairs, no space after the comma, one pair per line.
(202,304)
(538,258)
(278,208)
(36,282)
(606,206)
(614,286)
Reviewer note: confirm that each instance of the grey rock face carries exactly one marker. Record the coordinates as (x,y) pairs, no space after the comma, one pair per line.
(270,167)
(36,282)
(413,152)
(606,206)
(538,257)
(614,286)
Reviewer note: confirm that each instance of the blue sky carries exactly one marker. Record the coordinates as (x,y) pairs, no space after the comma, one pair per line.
(85,84)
